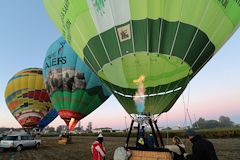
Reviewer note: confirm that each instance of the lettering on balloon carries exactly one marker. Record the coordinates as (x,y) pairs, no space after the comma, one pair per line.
(66,23)
(238,2)
(99,5)
(68,26)
(56,61)
(64,12)
(224,3)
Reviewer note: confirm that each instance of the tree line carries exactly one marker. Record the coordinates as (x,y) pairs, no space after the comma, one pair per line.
(222,122)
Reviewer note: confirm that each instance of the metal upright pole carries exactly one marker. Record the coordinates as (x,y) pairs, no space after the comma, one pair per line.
(159,134)
(126,123)
(137,134)
(153,132)
(129,133)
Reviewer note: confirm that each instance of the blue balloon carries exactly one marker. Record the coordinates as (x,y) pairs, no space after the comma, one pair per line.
(52,114)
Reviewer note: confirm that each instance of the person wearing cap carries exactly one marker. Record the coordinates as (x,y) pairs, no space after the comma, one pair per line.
(202,149)
(178,148)
(141,138)
(149,141)
(98,151)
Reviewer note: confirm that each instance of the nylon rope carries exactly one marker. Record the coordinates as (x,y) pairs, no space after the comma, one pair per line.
(167,129)
(185,112)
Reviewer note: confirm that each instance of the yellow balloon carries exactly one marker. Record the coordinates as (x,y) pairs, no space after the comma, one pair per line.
(27,98)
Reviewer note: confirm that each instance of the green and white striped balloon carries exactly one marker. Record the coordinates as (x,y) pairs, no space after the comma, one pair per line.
(167,41)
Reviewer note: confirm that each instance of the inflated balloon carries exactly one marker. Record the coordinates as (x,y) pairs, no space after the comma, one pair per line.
(52,114)
(27,98)
(74,89)
(166,41)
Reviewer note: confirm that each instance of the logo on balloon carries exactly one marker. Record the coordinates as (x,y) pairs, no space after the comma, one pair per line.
(61,48)
(238,2)
(224,2)
(124,33)
(99,5)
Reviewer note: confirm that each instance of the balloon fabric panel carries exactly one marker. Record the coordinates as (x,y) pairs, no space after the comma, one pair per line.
(52,114)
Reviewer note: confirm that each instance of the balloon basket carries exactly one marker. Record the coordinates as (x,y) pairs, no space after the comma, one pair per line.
(142,151)
(154,131)
(150,155)
(64,140)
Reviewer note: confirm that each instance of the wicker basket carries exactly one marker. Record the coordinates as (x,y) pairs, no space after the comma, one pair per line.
(150,155)
(64,140)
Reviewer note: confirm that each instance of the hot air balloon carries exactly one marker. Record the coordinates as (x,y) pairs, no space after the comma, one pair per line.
(74,89)
(146,51)
(166,41)
(27,98)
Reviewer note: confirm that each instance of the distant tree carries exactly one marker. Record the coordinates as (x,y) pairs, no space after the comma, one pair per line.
(225,121)
(166,129)
(51,129)
(78,129)
(211,124)
(200,123)
(106,131)
(4,129)
(61,128)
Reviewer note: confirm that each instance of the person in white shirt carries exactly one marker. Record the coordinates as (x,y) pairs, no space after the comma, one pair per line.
(178,148)
(121,153)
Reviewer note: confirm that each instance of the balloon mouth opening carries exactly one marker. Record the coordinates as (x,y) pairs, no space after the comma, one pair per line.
(167,63)
(143,117)
(71,118)
(29,122)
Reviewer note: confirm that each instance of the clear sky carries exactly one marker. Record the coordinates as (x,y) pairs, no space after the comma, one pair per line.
(26,32)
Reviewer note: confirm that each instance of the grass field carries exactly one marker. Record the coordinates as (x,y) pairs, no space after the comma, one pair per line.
(227,149)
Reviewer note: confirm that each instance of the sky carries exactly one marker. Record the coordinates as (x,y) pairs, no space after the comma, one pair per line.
(26,32)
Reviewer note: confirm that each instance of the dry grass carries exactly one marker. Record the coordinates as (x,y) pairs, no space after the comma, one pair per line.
(227,149)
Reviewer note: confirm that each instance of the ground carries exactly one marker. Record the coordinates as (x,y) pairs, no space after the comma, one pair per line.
(227,149)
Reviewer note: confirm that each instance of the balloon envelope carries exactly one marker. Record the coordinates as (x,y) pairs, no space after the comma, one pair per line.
(74,89)
(52,114)
(166,41)
(27,98)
